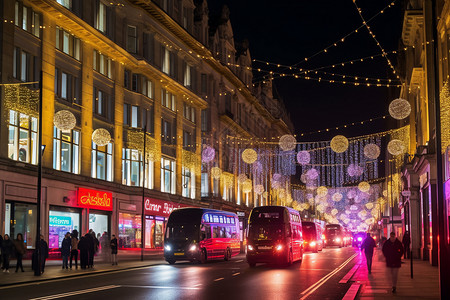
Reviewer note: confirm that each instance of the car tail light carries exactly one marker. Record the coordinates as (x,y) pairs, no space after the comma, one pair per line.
(279,247)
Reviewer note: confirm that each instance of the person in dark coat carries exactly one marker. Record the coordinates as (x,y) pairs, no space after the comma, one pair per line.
(368,245)
(7,251)
(20,250)
(393,251)
(65,250)
(1,242)
(113,246)
(44,252)
(91,248)
(74,246)
(406,241)
(83,246)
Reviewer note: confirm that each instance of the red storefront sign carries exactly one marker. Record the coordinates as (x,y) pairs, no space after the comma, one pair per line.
(94,199)
(160,207)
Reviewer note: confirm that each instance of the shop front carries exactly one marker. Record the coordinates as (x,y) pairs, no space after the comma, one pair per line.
(97,206)
(20,217)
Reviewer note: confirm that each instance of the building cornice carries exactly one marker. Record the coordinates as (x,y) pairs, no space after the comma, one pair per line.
(412,21)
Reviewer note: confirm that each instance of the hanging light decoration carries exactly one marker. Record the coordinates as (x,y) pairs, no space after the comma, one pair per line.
(276,184)
(312,174)
(265,194)
(364,186)
(351,194)
(208,154)
(369,205)
(101,137)
(320,208)
(64,120)
(281,194)
(399,109)
(249,156)
(241,178)
(353,207)
(303,157)
(277,177)
(384,194)
(374,212)
(304,178)
(216,172)
(339,144)
(396,147)
(369,221)
(322,191)
(334,211)
(337,197)
(247,186)
(354,170)
(259,189)
(287,142)
(371,151)
(257,167)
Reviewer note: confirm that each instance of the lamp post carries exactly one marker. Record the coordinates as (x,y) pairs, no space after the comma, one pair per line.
(37,267)
(143,194)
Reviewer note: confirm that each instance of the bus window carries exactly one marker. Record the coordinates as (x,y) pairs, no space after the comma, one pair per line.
(205,232)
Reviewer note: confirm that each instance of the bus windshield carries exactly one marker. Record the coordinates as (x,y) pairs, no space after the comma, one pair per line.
(265,232)
(333,230)
(309,230)
(181,231)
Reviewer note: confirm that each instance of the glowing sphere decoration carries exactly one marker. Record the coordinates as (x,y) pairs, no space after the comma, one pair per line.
(249,156)
(334,211)
(265,194)
(369,221)
(277,177)
(287,142)
(354,170)
(384,194)
(303,157)
(371,151)
(399,109)
(276,184)
(353,207)
(281,194)
(337,197)
(216,172)
(241,178)
(101,137)
(339,144)
(364,186)
(322,191)
(396,147)
(208,154)
(259,189)
(304,178)
(369,205)
(64,120)
(312,174)
(320,207)
(247,186)
(374,212)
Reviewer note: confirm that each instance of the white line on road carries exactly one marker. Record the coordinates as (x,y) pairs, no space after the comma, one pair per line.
(219,279)
(97,289)
(324,279)
(241,260)
(236,274)
(160,287)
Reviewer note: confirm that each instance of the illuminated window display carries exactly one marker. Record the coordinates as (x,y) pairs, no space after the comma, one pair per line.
(21,218)
(130,231)
(61,222)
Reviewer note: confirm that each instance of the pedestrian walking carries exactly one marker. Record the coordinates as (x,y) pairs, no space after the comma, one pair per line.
(65,250)
(43,249)
(368,245)
(406,241)
(20,250)
(104,245)
(113,245)
(393,251)
(74,247)
(91,248)
(83,246)
(7,251)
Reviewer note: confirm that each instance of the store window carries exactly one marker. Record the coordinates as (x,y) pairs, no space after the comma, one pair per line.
(154,231)
(60,222)
(102,162)
(99,223)
(22,142)
(66,150)
(188,182)
(130,231)
(21,218)
(168,176)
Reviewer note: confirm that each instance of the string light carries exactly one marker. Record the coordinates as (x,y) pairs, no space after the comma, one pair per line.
(444,99)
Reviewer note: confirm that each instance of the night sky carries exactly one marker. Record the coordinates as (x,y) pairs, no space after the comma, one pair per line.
(287,31)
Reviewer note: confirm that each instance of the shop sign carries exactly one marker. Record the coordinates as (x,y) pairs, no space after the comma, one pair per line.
(94,199)
(160,207)
(240,213)
(60,221)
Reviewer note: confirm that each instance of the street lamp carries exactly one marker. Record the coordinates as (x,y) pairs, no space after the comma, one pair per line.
(41,148)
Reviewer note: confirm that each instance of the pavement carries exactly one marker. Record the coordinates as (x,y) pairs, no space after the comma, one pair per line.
(423,285)
(127,259)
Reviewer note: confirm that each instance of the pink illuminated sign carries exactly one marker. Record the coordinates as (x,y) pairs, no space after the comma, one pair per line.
(160,207)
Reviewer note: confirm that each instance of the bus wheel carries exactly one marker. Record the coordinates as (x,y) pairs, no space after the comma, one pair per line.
(171,261)
(227,255)
(203,257)
(290,258)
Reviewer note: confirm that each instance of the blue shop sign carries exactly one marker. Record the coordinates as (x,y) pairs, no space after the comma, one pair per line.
(60,221)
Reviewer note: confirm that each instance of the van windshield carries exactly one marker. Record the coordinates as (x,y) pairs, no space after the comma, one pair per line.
(182,232)
(265,232)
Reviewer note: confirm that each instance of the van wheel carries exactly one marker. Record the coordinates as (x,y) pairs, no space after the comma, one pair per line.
(227,255)
(171,261)
(203,257)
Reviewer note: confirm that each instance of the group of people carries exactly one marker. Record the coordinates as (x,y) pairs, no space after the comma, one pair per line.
(9,248)
(393,251)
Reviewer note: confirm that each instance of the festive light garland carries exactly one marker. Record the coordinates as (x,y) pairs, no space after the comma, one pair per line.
(19,97)
(444,99)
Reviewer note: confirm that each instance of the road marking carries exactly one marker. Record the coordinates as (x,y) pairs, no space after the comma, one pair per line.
(97,289)
(219,279)
(352,291)
(236,274)
(350,273)
(198,284)
(324,279)
(160,287)
(241,260)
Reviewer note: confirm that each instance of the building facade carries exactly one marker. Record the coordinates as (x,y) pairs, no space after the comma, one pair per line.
(146,85)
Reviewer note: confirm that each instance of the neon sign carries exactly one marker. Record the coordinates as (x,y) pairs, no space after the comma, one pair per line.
(161,208)
(94,199)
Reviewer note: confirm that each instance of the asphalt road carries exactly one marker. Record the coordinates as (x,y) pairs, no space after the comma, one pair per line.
(317,277)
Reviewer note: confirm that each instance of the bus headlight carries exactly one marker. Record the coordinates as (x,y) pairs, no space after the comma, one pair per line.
(250,248)
(167,247)
(338,239)
(279,247)
(313,244)
(193,248)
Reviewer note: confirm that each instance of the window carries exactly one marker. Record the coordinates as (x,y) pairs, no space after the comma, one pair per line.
(147,87)
(68,43)
(126,114)
(101,19)
(102,105)
(22,141)
(189,112)
(126,79)
(21,218)
(22,68)
(102,64)
(66,150)
(27,19)
(148,120)
(131,39)
(167,133)
(204,120)
(102,162)
(205,184)
(168,99)
(149,47)
(188,141)
(134,82)
(66,86)
(134,116)
(168,177)
(188,183)
(187,76)
(132,171)
(165,60)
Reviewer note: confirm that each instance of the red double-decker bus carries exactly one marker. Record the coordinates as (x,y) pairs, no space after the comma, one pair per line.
(200,234)
(274,235)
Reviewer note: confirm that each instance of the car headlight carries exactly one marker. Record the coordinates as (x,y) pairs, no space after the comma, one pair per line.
(313,244)
(250,248)
(193,248)
(167,247)
(279,247)
(338,239)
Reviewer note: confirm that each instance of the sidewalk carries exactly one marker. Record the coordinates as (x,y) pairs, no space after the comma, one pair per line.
(53,268)
(424,285)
